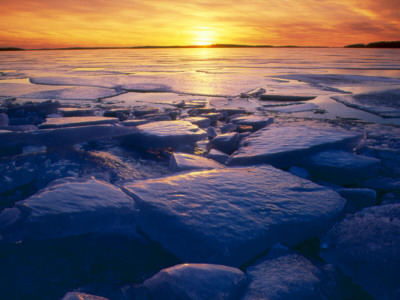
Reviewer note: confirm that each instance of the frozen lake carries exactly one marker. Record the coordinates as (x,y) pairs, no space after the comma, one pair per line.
(122,75)
(236,173)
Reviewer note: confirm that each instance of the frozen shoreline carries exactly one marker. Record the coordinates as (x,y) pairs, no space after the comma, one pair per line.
(153,167)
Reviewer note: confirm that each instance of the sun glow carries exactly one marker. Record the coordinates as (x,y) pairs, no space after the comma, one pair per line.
(203,36)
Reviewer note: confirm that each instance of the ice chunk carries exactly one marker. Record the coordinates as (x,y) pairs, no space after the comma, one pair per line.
(257,122)
(199,121)
(81,296)
(366,247)
(284,276)
(145,110)
(75,112)
(77,121)
(73,93)
(357,198)
(228,216)
(218,156)
(183,161)
(341,167)
(165,134)
(70,207)
(41,109)
(226,143)
(197,281)
(286,145)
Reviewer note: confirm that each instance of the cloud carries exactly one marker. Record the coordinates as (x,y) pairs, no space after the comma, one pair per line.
(31,23)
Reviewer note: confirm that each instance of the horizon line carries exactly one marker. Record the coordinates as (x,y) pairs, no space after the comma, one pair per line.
(381,44)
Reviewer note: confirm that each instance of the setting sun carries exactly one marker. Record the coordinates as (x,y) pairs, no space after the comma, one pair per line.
(203,36)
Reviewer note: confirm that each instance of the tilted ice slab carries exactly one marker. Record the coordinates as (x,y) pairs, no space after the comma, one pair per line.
(229,216)
(284,275)
(66,136)
(73,93)
(385,103)
(366,246)
(196,281)
(286,145)
(164,134)
(183,161)
(69,207)
(77,121)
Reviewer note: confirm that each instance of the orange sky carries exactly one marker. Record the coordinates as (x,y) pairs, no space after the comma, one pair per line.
(120,23)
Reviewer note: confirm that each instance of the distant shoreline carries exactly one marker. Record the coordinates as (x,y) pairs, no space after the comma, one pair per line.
(384,44)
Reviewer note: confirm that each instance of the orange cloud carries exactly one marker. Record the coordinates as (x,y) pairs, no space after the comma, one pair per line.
(48,23)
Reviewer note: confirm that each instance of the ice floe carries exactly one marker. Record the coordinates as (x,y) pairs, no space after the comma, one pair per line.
(69,207)
(197,281)
(341,167)
(183,162)
(384,103)
(287,145)
(366,247)
(257,122)
(229,216)
(164,134)
(76,121)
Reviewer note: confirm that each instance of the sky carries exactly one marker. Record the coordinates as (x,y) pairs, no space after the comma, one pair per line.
(33,24)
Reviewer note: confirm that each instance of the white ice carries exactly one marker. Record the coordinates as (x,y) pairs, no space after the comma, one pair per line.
(287,145)
(229,216)
(165,134)
(183,162)
(76,121)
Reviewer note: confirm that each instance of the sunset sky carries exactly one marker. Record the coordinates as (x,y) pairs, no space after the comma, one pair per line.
(123,23)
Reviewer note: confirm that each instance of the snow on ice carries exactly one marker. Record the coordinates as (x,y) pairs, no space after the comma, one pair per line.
(229,216)
(284,145)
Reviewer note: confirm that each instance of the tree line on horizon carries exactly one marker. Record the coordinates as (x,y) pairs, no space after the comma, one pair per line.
(382,44)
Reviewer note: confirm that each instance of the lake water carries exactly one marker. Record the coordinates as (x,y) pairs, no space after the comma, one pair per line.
(216,75)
